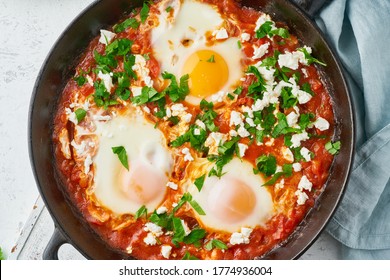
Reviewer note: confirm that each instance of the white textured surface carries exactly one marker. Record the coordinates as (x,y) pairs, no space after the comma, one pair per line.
(28,29)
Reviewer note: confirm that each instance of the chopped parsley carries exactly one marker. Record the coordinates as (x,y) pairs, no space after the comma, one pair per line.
(226,152)
(80,80)
(130,22)
(144,12)
(287,172)
(199,182)
(268,29)
(215,243)
(188,256)
(142,211)
(168,9)
(310,59)
(333,148)
(102,97)
(176,92)
(211,59)
(80,114)
(148,94)
(266,165)
(239,45)
(2,256)
(122,155)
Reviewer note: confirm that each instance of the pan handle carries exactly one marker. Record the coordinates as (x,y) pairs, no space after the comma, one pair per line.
(311,7)
(56,241)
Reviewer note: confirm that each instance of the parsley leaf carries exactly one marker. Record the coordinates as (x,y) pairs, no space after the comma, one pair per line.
(333,148)
(130,22)
(226,153)
(287,171)
(128,63)
(197,207)
(140,212)
(168,9)
(211,59)
(105,62)
(310,59)
(282,126)
(266,164)
(282,32)
(306,87)
(119,47)
(144,12)
(101,96)
(305,120)
(215,243)
(122,155)
(188,256)
(80,114)
(2,256)
(239,45)
(80,80)
(288,99)
(264,29)
(257,87)
(199,182)
(148,94)
(195,236)
(175,91)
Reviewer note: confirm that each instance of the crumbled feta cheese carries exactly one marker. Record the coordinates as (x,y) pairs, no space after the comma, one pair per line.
(233,133)
(280,185)
(107,80)
(247,110)
(142,71)
(270,142)
(187,118)
(268,74)
(297,167)
(187,154)
(243,132)
(87,164)
(129,249)
(168,112)
(221,34)
(236,118)
(305,184)
(177,109)
(166,251)
(218,97)
(288,60)
(172,185)
(241,237)
(250,122)
(200,124)
(137,91)
(106,36)
(302,197)
(174,204)
(263,19)
(279,169)
(86,105)
(245,37)
(292,119)
(304,71)
(196,131)
(215,138)
(153,228)
(259,52)
(306,154)
(287,154)
(150,239)
(187,231)
(296,139)
(146,109)
(322,124)
(89,79)
(304,97)
(71,116)
(161,210)
(242,149)
(80,149)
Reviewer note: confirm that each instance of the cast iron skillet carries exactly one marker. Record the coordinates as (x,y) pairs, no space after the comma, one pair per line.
(57,69)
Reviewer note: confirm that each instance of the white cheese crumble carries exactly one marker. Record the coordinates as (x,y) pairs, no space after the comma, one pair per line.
(153,228)
(306,154)
(280,185)
(87,164)
(220,34)
(296,139)
(262,19)
(187,230)
(168,112)
(107,80)
(241,237)
(305,184)
(287,154)
(161,210)
(150,239)
(80,148)
(71,115)
(250,122)
(218,97)
(172,185)
(259,52)
(233,133)
(177,109)
(301,197)
(106,36)
(243,132)
(292,59)
(186,118)
(166,251)
(200,124)
(141,70)
(297,167)
(187,154)
(292,119)
(236,118)
(242,149)
(137,91)
(196,131)
(247,110)
(245,37)
(321,123)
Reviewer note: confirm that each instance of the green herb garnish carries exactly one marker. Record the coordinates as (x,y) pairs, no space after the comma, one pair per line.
(144,12)
(333,148)
(130,22)
(211,59)
(140,212)
(80,114)
(122,155)
(199,182)
(215,243)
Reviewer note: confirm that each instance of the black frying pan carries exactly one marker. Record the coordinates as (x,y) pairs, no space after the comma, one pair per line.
(57,69)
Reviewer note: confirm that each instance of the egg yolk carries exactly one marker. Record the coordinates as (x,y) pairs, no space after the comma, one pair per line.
(231,200)
(142,184)
(208,73)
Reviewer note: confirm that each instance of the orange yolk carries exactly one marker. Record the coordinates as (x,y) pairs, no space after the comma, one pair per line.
(231,200)
(141,184)
(208,73)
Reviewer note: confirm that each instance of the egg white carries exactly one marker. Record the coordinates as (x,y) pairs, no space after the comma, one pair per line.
(145,146)
(209,198)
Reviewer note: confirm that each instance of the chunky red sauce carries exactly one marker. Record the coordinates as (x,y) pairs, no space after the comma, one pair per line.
(122,231)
